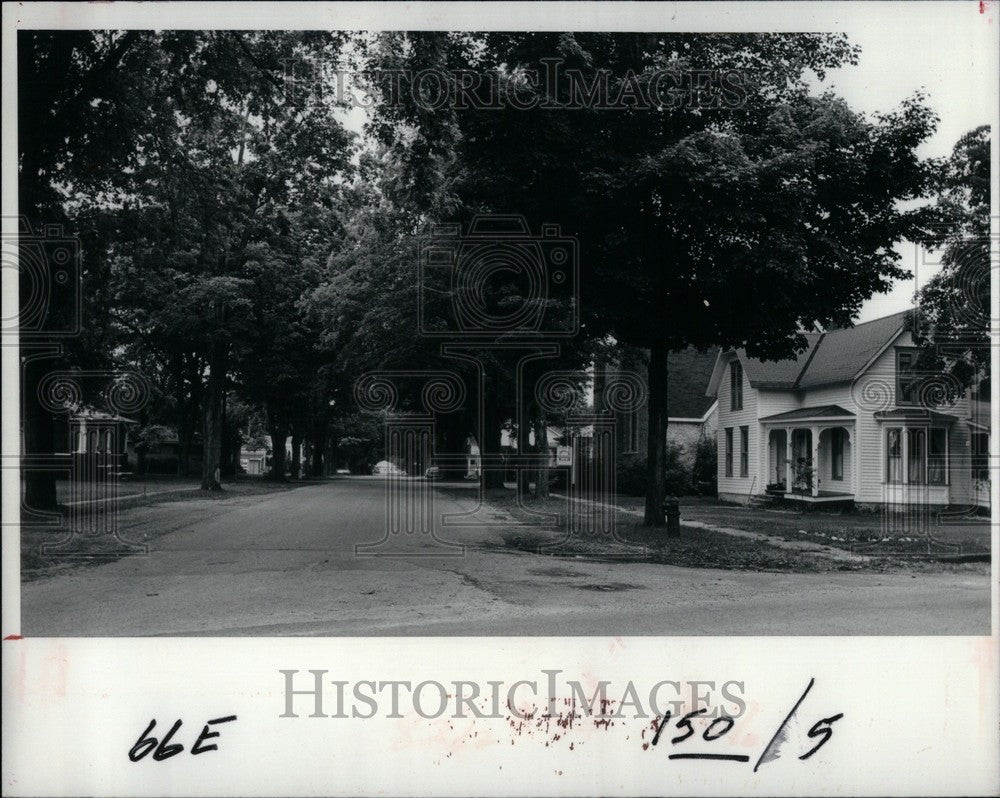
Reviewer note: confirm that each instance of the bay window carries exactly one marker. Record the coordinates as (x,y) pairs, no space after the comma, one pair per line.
(926,453)
(916,444)
(937,457)
(894,454)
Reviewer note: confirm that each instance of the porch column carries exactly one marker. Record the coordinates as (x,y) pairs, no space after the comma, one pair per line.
(788,459)
(905,449)
(815,460)
(856,461)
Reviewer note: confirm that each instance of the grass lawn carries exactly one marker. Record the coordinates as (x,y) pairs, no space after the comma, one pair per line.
(874,533)
(707,548)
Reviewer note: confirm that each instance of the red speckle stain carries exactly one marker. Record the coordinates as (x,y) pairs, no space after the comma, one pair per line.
(13,637)
(982,6)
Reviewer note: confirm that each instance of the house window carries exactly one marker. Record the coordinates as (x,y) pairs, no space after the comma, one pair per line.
(736,385)
(916,445)
(926,455)
(894,454)
(837,465)
(906,378)
(729,451)
(937,457)
(744,451)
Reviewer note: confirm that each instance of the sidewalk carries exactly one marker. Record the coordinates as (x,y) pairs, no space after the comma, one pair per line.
(141,495)
(804,546)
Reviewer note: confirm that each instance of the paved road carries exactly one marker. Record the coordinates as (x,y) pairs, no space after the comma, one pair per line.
(284,564)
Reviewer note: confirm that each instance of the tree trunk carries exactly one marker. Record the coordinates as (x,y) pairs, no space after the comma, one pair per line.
(212,458)
(39,484)
(490,449)
(523,447)
(296,455)
(225,444)
(542,448)
(189,409)
(278,436)
(656,442)
(454,434)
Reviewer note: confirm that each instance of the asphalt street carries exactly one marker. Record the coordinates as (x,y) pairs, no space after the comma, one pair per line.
(285,564)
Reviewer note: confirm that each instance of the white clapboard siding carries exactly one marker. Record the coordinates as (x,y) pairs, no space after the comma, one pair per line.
(728,418)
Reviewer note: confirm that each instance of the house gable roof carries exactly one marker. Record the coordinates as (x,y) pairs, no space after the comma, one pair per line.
(782,373)
(843,354)
(688,372)
(830,357)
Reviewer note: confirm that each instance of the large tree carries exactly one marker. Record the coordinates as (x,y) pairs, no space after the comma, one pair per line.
(699,223)
(217,207)
(953,319)
(83,98)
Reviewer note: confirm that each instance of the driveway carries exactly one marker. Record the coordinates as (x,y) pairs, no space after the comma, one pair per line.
(285,564)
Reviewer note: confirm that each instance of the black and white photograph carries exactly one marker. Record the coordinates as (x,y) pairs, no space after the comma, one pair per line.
(538,329)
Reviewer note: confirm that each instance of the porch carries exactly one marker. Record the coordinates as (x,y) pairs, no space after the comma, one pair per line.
(810,455)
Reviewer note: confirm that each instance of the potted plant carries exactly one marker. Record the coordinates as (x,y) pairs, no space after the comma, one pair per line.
(804,475)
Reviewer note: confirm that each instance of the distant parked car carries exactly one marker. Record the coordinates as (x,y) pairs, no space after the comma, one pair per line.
(385,468)
(343,471)
(432,473)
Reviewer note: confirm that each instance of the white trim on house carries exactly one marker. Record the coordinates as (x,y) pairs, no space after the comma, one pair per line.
(702,420)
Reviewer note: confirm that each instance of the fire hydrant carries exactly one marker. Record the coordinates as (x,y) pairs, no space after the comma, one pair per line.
(672,511)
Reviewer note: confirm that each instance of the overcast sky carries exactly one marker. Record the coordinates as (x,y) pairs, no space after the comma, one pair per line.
(950,57)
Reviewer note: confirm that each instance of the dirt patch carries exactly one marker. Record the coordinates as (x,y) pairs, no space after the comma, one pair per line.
(557,572)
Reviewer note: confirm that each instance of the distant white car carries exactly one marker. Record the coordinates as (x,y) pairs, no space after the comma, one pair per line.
(432,473)
(343,471)
(385,468)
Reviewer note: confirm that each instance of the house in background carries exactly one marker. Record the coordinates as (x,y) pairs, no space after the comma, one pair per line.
(691,414)
(97,439)
(848,420)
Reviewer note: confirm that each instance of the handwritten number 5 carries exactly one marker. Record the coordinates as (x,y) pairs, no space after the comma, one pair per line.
(821,729)
(686,722)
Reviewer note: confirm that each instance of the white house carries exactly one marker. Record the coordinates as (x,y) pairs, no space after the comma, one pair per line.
(848,420)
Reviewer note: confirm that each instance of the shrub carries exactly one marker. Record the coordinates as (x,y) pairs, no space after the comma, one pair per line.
(705,473)
(632,473)
(678,475)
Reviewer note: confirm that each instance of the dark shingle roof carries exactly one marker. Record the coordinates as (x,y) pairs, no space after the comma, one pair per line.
(822,411)
(830,357)
(688,374)
(780,374)
(841,354)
